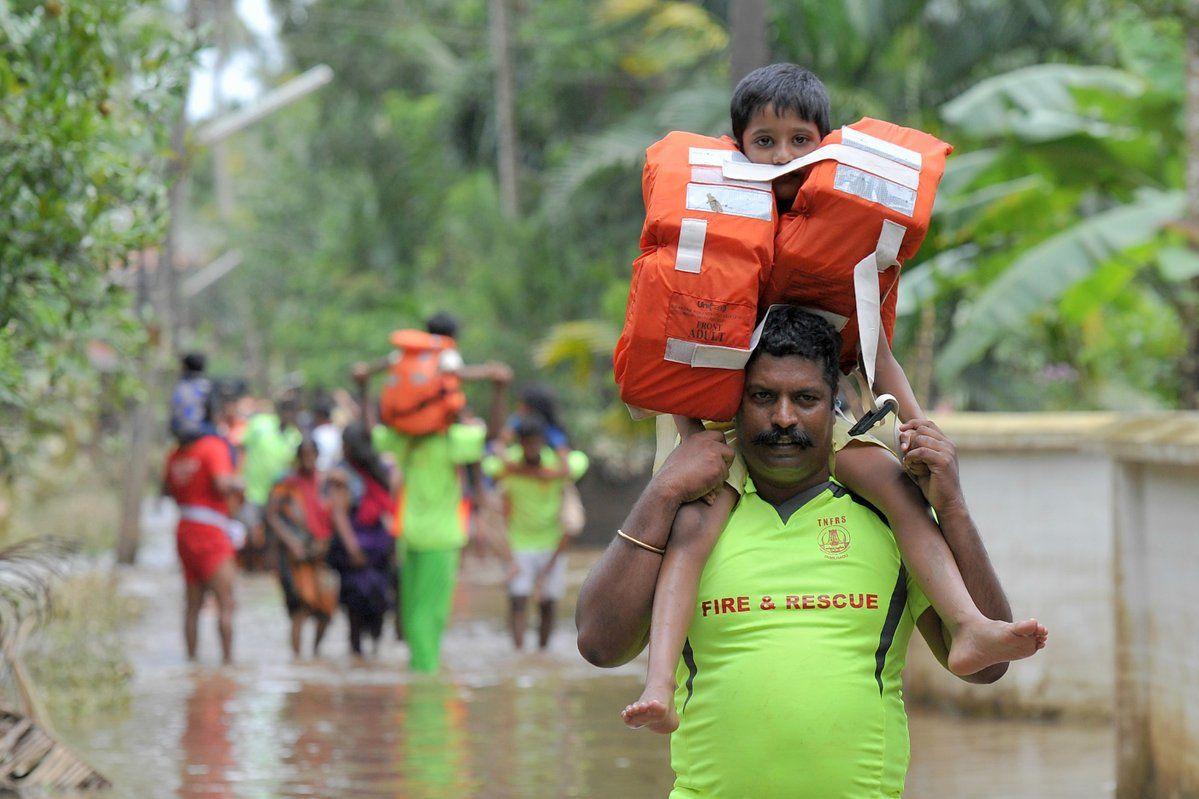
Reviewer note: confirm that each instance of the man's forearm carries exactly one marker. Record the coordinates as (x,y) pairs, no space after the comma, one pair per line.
(975,565)
(616,601)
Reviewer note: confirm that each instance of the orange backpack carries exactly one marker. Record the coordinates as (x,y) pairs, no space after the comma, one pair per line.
(706,247)
(419,398)
(862,211)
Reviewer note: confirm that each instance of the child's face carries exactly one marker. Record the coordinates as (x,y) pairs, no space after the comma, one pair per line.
(772,138)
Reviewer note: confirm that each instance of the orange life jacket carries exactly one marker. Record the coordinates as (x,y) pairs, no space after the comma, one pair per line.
(419,397)
(862,211)
(706,246)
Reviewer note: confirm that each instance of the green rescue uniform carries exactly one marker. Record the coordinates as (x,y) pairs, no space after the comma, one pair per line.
(269,454)
(432,529)
(534,524)
(789,683)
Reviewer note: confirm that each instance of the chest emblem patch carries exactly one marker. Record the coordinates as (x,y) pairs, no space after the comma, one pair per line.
(834,542)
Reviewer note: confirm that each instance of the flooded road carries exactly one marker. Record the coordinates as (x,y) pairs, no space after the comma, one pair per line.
(495,724)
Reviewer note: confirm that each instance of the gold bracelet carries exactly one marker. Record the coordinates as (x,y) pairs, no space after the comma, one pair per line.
(641,544)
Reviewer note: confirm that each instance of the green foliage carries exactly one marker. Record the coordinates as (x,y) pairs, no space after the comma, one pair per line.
(86,93)
(374,203)
(1075,176)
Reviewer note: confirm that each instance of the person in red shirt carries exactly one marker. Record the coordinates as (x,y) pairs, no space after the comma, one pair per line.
(199,477)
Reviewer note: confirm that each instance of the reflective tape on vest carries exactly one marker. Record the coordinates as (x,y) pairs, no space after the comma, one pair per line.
(864,160)
(690,256)
(866,293)
(729,200)
(707,356)
(703,156)
(887,149)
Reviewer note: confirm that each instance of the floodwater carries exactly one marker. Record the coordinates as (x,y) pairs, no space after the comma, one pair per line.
(495,724)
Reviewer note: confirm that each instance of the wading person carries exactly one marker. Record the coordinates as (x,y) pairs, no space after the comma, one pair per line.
(269,446)
(434,515)
(363,549)
(199,477)
(789,682)
(297,517)
(531,482)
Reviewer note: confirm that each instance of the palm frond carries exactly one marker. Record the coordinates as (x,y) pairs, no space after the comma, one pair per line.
(1041,275)
(28,570)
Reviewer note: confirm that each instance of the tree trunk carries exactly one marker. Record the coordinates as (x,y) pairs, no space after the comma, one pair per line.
(222,187)
(505,107)
(748,48)
(164,293)
(1190,361)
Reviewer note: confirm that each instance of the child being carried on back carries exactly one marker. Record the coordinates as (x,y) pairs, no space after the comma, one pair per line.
(781,113)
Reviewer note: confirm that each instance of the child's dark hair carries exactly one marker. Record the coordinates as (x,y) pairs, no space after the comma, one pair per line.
(360,453)
(542,404)
(790,330)
(193,363)
(529,427)
(442,324)
(784,87)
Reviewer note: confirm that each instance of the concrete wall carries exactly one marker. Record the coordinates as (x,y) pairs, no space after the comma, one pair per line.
(1157,579)
(1041,498)
(1092,521)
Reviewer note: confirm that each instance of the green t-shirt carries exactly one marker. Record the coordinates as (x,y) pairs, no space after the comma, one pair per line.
(431,497)
(269,453)
(536,503)
(789,684)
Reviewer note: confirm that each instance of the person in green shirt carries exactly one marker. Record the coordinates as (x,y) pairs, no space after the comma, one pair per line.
(531,482)
(433,514)
(789,682)
(269,447)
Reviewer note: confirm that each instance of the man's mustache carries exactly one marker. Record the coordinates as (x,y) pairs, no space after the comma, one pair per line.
(787,435)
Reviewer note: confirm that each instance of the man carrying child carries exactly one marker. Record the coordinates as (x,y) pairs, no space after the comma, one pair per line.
(789,683)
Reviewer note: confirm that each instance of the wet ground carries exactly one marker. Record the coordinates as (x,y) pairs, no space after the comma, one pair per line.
(495,724)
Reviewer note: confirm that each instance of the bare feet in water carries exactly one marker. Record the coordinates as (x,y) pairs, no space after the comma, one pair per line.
(982,643)
(654,711)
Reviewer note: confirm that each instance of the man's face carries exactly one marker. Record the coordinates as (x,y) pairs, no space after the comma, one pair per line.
(287,415)
(306,459)
(531,448)
(785,423)
(771,138)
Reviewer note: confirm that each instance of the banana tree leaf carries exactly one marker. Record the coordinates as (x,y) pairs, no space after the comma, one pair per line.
(1178,263)
(963,169)
(1041,275)
(1037,103)
(702,109)
(922,283)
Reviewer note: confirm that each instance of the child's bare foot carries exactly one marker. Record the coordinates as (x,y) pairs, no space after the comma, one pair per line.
(982,643)
(655,710)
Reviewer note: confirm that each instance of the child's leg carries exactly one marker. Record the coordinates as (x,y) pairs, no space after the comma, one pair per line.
(695,530)
(977,642)
(546,628)
(517,621)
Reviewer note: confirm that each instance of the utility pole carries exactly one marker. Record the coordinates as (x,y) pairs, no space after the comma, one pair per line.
(169,291)
(748,49)
(222,187)
(1190,307)
(505,107)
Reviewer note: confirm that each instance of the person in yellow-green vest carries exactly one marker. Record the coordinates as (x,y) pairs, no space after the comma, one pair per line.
(532,483)
(434,513)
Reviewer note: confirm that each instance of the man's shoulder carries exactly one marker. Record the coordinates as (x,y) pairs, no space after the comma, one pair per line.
(843,494)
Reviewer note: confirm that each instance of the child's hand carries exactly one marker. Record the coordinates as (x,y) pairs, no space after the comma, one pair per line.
(697,466)
(932,461)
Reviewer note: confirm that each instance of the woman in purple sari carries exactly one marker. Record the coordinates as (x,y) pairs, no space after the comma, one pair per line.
(363,551)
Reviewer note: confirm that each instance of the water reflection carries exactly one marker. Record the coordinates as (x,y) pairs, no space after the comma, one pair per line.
(208,758)
(497,724)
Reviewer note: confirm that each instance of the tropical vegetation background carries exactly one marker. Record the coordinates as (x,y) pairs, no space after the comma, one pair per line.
(483,156)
